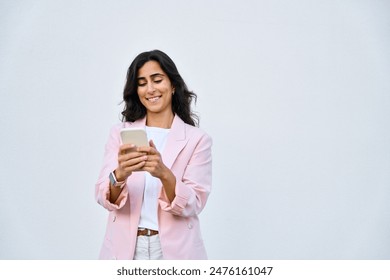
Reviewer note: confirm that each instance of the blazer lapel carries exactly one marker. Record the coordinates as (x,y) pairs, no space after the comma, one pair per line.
(175,142)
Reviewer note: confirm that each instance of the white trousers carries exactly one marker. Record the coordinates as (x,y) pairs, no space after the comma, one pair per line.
(148,248)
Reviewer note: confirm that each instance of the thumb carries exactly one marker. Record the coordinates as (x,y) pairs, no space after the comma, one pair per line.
(151,143)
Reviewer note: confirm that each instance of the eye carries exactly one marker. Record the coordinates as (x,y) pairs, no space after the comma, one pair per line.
(158,81)
(141,84)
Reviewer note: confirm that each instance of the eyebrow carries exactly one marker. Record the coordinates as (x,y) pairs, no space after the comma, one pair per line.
(152,76)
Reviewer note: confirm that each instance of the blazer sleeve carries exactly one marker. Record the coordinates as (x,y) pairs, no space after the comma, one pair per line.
(110,163)
(193,188)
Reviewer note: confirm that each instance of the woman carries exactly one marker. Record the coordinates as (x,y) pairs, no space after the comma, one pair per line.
(155,193)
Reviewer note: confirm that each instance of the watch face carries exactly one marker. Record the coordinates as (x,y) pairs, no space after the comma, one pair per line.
(112,179)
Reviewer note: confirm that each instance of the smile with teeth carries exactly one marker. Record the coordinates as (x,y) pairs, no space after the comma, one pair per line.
(153,99)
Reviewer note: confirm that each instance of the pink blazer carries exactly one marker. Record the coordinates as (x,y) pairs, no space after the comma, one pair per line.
(188,154)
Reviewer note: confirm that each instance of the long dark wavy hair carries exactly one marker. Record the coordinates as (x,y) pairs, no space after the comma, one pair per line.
(181,100)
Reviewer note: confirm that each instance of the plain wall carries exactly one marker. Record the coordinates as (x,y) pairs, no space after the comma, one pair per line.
(296,95)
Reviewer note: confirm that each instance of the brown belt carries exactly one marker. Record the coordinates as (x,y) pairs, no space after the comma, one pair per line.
(147,232)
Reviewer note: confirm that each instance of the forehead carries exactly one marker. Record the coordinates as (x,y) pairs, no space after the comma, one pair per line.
(150,68)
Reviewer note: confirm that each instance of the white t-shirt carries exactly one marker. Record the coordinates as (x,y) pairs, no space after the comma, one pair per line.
(148,217)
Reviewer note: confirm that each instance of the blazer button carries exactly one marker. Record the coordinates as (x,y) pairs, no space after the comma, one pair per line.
(189,225)
(114,219)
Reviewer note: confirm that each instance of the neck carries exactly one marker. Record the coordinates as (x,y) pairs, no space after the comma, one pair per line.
(158,120)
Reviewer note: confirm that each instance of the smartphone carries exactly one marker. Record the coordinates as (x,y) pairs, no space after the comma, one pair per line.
(136,136)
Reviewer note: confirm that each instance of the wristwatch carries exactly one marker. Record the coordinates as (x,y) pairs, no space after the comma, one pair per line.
(114,182)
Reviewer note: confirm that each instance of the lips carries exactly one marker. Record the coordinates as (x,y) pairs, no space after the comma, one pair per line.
(153,99)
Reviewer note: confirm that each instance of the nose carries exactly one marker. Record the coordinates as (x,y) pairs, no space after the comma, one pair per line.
(150,88)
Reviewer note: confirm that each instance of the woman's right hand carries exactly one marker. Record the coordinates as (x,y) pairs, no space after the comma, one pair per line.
(129,160)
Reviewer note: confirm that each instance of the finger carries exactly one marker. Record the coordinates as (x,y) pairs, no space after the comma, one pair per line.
(132,162)
(137,167)
(123,149)
(150,164)
(151,143)
(128,157)
(154,158)
(148,150)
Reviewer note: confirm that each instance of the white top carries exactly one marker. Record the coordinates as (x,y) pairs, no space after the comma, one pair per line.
(148,217)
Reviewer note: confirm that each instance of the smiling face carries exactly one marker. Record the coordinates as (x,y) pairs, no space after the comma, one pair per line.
(155,90)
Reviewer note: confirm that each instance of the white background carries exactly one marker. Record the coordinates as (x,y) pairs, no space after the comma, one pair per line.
(296,95)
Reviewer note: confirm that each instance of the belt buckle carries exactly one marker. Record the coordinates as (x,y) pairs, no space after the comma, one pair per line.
(148,233)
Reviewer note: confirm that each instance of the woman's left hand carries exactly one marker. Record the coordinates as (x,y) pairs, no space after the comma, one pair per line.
(153,164)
